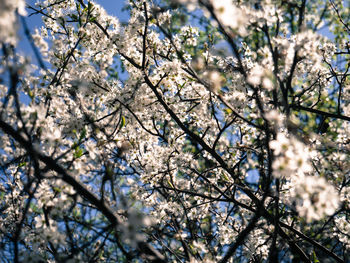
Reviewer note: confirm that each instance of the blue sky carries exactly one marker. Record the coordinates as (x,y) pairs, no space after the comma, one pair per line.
(114,7)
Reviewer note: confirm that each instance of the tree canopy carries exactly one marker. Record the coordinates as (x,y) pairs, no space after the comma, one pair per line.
(197,131)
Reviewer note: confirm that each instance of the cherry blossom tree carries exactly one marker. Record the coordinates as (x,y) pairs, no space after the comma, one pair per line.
(198,131)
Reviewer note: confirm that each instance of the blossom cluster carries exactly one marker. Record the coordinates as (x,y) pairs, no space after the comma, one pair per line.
(175,136)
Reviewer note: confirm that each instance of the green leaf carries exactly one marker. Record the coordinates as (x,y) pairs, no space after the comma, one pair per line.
(314,258)
(170,184)
(224,177)
(76,213)
(82,134)
(228,111)
(74,146)
(78,6)
(57,189)
(78,152)
(22,164)
(30,94)
(74,17)
(123,122)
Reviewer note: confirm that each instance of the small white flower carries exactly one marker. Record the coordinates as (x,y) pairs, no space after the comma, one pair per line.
(280,145)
